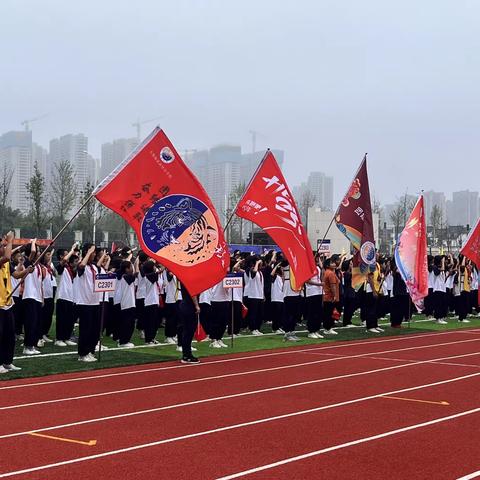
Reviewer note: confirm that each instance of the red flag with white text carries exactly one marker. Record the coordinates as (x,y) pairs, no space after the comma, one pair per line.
(268,203)
(172,215)
(471,248)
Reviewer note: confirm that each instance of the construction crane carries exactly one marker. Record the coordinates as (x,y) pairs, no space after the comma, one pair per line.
(26,123)
(139,123)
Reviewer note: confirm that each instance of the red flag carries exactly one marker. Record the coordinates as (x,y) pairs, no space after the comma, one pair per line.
(471,249)
(411,255)
(172,215)
(200,334)
(269,203)
(354,220)
(114,247)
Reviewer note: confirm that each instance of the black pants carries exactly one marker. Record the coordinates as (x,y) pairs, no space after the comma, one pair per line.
(255,313)
(7,336)
(89,328)
(400,309)
(428,303)
(278,315)
(462,303)
(440,305)
(18,314)
(127,325)
(474,301)
(327,317)
(140,313)
(205,317)
(293,312)
(349,307)
(187,324)
(371,309)
(171,319)
(220,316)
(115,321)
(32,316)
(65,319)
(151,322)
(47,316)
(314,313)
(237,318)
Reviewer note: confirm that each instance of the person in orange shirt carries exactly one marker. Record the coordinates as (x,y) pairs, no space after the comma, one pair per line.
(331,295)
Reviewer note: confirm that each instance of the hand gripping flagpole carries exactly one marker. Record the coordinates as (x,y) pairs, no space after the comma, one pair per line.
(38,260)
(336,211)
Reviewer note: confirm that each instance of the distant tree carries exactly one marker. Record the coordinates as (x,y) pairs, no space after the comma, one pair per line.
(5,184)
(62,197)
(234,231)
(36,191)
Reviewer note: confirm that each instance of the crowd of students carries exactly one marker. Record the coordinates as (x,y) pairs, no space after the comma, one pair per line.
(147,297)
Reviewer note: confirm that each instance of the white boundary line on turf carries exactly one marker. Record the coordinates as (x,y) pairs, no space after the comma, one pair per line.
(470,476)
(351,444)
(224,397)
(289,351)
(228,375)
(253,422)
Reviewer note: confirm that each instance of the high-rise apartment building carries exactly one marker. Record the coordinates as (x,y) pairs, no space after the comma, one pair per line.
(113,153)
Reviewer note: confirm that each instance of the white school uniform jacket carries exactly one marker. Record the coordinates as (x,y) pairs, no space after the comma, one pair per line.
(83,285)
(255,286)
(141,283)
(220,294)
(440,282)
(277,289)
(65,287)
(152,291)
(205,297)
(127,300)
(312,290)
(33,285)
(172,289)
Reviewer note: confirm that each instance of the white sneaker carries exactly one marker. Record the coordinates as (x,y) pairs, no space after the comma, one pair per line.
(193,349)
(41,343)
(314,335)
(330,332)
(222,344)
(142,334)
(380,329)
(280,331)
(441,321)
(463,321)
(206,339)
(122,345)
(364,324)
(215,344)
(257,333)
(60,343)
(3,370)
(30,351)
(70,343)
(170,341)
(87,358)
(11,368)
(153,342)
(350,325)
(179,349)
(104,347)
(373,330)
(46,339)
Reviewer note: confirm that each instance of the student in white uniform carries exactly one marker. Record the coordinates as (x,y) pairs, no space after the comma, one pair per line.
(255,295)
(128,274)
(220,312)
(49,288)
(292,300)
(172,294)
(204,300)
(277,306)
(314,293)
(440,307)
(151,318)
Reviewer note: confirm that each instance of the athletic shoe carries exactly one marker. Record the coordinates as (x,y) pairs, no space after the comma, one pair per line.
(373,330)
(464,321)
(85,359)
(222,344)
(30,351)
(122,345)
(280,331)
(11,368)
(153,342)
(190,360)
(41,343)
(142,334)
(350,325)
(330,332)
(46,339)
(318,335)
(104,347)
(290,337)
(175,338)
(441,321)
(215,344)
(364,324)
(170,341)
(206,339)
(70,343)
(313,335)
(257,333)
(179,349)
(380,329)
(60,343)
(3,370)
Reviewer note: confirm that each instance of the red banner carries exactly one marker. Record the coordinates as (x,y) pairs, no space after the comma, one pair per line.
(471,249)
(172,215)
(269,204)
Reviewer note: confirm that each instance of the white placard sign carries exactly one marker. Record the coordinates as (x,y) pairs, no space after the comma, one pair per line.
(105,282)
(233,282)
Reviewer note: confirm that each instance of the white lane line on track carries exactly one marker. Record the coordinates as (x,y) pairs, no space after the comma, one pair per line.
(223,376)
(224,397)
(226,360)
(470,476)
(251,423)
(351,444)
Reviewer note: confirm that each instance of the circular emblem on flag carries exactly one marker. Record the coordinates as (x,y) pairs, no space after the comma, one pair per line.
(167,155)
(367,253)
(182,229)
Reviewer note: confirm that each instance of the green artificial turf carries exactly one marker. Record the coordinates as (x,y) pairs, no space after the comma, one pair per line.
(45,365)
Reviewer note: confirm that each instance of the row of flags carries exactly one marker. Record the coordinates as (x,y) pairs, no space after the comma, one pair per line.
(176,222)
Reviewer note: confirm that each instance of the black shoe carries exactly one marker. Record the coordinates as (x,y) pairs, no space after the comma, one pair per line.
(190,359)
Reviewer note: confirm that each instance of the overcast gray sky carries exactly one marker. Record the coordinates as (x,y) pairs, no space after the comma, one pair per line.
(324,80)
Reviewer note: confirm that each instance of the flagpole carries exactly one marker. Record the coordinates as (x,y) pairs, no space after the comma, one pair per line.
(246,188)
(37,261)
(336,211)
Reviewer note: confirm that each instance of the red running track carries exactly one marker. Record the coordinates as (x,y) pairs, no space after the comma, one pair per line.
(303,413)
